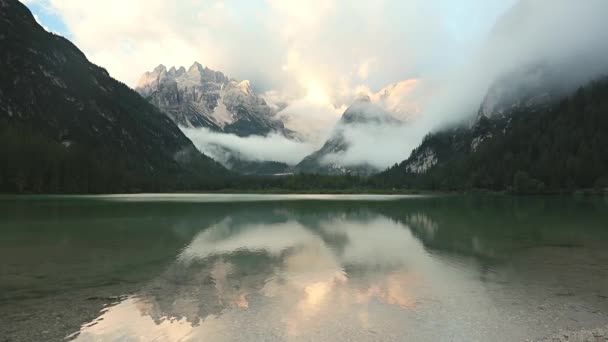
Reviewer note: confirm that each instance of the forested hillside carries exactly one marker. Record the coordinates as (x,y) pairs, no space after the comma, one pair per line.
(67,126)
(561,147)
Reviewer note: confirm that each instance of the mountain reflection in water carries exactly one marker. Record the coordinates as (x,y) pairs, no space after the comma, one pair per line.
(457,268)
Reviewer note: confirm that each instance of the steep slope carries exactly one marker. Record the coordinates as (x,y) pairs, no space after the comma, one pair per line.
(66,125)
(548,146)
(327,160)
(403,99)
(531,89)
(201,97)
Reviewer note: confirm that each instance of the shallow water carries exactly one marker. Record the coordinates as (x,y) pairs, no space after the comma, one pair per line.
(300,267)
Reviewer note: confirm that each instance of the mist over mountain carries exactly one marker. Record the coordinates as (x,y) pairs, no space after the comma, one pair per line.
(552,145)
(363,125)
(558,46)
(224,117)
(524,85)
(339,153)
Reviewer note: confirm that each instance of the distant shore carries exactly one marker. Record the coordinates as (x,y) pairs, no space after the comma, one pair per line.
(358,191)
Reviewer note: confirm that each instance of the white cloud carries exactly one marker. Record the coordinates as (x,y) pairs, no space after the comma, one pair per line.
(277,43)
(273,147)
(568,35)
(313,121)
(365,67)
(378,145)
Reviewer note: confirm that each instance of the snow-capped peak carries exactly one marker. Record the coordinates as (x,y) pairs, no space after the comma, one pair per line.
(160,68)
(195,67)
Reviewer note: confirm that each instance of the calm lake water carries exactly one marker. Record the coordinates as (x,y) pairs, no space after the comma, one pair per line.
(300,268)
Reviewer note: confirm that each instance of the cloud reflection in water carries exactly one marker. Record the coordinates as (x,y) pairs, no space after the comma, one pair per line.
(292,277)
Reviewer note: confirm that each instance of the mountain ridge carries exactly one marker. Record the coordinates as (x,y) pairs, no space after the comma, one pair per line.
(527,147)
(85,131)
(202,97)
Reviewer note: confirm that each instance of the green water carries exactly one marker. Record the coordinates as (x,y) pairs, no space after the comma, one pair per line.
(301,268)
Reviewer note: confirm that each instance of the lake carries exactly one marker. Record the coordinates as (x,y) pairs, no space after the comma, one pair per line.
(301,267)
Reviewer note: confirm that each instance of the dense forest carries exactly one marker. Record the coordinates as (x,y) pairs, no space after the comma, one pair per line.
(67,126)
(562,147)
(34,163)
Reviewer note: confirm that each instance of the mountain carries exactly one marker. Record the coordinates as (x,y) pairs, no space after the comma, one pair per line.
(201,97)
(402,99)
(530,88)
(541,140)
(67,126)
(328,159)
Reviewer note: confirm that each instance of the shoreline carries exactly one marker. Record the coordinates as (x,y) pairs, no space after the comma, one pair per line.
(583,335)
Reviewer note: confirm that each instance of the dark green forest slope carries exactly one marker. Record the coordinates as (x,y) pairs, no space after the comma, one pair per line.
(559,147)
(67,126)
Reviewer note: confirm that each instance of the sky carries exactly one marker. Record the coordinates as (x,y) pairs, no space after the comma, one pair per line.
(319,55)
(323,43)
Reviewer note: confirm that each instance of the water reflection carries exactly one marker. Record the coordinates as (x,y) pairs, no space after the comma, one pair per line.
(422,270)
(293,277)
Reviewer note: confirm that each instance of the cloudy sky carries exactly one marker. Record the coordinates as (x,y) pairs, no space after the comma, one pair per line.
(319,54)
(311,45)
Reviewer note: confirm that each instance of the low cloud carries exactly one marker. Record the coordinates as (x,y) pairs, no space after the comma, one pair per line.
(287,46)
(313,122)
(567,37)
(380,146)
(273,147)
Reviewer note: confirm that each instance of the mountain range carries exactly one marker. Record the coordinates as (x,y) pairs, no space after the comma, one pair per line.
(201,97)
(67,126)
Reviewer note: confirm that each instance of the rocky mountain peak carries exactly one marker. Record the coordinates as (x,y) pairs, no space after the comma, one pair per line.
(363,98)
(202,97)
(196,67)
(402,99)
(160,68)
(364,111)
(245,87)
(195,73)
(173,72)
(152,79)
